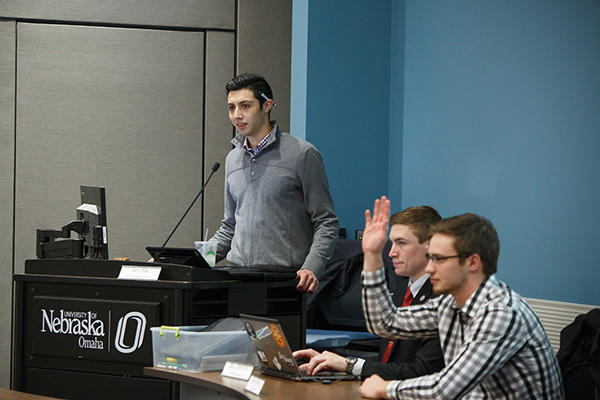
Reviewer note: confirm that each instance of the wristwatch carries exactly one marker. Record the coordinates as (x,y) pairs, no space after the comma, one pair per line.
(350,361)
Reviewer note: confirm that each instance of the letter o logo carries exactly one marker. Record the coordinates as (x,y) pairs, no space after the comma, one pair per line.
(140,320)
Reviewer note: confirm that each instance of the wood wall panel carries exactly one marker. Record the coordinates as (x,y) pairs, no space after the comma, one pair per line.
(265,35)
(207,14)
(219,131)
(7,136)
(113,107)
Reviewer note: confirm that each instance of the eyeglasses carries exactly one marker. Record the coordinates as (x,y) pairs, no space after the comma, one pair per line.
(436,259)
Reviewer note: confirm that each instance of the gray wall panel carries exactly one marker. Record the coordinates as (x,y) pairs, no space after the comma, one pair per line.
(100,104)
(219,131)
(214,14)
(120,108)
(264,47)
(7,136)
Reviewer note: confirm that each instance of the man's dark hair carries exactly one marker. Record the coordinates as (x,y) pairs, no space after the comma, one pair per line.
(473,234)
(256,83)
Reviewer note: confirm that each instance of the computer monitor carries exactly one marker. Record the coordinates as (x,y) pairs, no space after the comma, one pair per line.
(92,212)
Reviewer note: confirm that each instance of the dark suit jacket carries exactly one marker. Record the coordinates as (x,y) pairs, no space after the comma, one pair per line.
(409,358)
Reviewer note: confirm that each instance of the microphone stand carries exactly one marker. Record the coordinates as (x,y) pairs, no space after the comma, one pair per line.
(215,167)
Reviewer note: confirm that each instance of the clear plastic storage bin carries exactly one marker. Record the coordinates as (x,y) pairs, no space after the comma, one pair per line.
(186,348)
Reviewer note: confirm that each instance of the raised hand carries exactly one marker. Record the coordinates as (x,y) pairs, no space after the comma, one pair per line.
(375,234)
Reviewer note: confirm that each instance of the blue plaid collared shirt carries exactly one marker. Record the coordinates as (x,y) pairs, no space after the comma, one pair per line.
(494,346)
(259,146)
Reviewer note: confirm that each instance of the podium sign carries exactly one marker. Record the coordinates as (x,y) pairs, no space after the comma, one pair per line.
(92,329)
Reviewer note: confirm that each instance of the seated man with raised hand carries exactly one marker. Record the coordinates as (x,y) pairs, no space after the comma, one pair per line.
(397,359)
(494,344)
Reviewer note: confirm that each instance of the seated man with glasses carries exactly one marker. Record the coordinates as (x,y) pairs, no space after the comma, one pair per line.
(494,344)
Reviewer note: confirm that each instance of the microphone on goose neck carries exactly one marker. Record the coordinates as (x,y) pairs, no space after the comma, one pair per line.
(215,167)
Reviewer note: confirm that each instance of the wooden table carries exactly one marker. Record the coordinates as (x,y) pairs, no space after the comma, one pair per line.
(6,394)
(274,388)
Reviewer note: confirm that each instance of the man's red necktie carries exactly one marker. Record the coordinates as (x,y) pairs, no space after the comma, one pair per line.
(408,297)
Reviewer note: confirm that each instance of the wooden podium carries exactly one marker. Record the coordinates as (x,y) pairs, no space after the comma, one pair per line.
(82,333)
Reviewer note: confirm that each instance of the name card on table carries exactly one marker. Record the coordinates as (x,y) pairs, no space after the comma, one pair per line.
(237,371)
(255,385)
(139,272)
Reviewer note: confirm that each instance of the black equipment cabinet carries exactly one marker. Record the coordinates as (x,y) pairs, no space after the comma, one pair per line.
(81,333)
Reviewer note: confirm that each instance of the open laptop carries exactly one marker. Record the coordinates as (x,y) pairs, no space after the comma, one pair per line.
(178,255)
(274,353)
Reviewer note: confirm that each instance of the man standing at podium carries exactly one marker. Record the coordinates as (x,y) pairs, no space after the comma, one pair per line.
(278,210)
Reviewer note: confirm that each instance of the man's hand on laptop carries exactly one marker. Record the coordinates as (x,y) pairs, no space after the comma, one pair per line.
(315,361)
(308,281)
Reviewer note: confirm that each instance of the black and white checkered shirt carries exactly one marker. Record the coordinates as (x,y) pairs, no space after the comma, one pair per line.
(494,347)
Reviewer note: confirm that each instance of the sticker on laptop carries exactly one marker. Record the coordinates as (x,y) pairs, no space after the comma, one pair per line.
(250,330)
(262,355)
(263,333)
(286,359)
(277,335)
(276,362)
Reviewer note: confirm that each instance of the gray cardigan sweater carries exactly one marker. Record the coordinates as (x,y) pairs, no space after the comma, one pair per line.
(278,210)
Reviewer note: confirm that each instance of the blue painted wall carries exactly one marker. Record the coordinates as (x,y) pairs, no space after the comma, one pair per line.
(347,101)
(493,107)
(502,118)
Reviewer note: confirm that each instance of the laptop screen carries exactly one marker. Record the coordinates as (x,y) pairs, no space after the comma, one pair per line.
(178,255)
(270,344)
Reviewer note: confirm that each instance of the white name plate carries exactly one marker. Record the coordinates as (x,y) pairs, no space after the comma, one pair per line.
(237,371)
(139,272)
(255,385)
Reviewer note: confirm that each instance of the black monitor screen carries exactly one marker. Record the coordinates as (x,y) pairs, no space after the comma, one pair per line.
(93,212)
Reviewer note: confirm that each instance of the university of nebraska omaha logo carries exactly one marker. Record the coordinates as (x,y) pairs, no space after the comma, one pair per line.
(140,323)
(91,329)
